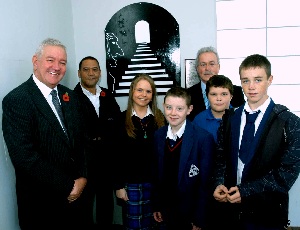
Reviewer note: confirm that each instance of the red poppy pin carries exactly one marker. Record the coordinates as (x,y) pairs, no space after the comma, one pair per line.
(66,97)
(102,94)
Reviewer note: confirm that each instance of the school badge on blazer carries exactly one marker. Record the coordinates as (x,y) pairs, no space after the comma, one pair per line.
(194,171)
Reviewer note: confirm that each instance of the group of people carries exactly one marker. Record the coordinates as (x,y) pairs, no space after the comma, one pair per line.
(188,166)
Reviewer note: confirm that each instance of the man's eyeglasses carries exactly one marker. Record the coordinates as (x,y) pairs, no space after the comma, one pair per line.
(210,64)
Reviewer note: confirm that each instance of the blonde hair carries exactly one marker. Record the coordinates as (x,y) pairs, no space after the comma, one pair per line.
(158,115)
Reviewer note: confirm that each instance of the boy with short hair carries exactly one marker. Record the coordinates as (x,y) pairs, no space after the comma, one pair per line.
(184,163)
(253,182)
(219,91)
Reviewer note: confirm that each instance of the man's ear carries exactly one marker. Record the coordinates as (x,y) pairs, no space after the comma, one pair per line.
(34,61)
(78,73)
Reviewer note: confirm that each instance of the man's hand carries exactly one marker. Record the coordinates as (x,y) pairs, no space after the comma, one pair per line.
(122,194)
(79,185)
(194,227)
(157,217)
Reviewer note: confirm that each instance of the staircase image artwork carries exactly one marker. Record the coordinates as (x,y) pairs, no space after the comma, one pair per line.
(138,42)
(144,61)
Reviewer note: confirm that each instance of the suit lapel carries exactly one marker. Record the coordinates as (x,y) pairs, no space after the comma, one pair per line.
(86,103)
(44,108)
(65,101)
(187,143)
(263,126)
(235,132)
(161,147)
(201,99)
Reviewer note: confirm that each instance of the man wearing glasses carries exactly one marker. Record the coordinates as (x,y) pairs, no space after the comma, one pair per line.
(207,64)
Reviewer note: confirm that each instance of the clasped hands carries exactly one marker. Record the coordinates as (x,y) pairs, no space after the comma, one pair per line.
(222,194)
(79,185)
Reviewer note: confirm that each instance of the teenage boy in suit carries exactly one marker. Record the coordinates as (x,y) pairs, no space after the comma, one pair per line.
(253,182)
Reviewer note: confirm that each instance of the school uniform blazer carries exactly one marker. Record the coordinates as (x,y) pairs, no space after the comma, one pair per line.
(46,161)
(198,101)
(194,173)
(273,169)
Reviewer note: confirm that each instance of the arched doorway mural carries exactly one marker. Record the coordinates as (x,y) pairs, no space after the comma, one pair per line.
(137,40)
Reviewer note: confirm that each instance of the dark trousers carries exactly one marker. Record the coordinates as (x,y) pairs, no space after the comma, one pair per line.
(100,205)
(228,216)
(99,187)
(50,213)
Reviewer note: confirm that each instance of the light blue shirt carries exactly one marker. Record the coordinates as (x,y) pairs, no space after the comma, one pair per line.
(206,101)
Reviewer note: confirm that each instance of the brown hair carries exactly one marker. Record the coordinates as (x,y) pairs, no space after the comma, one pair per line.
(219,81)
(178,91)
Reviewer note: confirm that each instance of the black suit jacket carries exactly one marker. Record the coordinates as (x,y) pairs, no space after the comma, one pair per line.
(198,101)
(103,126)
(46,161)
(101,130)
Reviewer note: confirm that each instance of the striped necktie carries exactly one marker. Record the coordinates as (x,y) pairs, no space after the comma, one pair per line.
(57,106)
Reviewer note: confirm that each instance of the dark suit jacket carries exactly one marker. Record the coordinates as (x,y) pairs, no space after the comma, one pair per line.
(103,128)
(197,150)
(101,133)
(273,169)
(198,101)
(46,162)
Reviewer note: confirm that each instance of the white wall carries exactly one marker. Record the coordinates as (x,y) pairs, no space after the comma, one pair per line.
(80,25)
(196,19)
(23,25)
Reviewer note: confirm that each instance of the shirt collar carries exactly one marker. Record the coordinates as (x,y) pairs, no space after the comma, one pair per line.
(43,88)
(262,108)
(149,111)
(88,93)
(178,134)
(210,115)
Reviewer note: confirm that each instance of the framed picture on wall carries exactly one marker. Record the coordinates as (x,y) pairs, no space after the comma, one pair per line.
(191,77)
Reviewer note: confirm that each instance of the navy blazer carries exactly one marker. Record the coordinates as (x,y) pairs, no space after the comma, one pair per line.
(46,161)
(273,169)
(197,150)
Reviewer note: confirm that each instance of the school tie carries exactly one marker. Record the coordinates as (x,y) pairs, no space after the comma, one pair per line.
(171,142)
(58,109)
(248,136)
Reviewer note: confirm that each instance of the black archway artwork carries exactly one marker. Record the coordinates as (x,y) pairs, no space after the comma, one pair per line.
(142,38)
